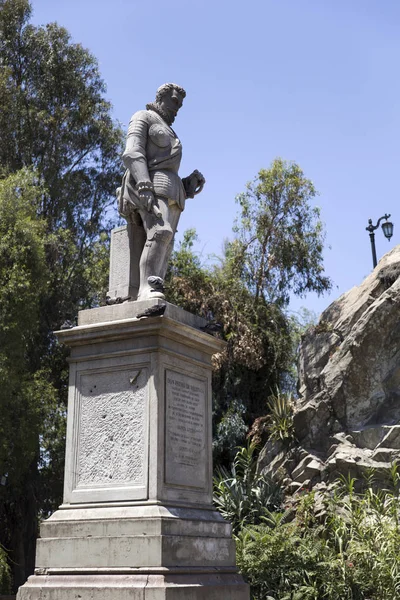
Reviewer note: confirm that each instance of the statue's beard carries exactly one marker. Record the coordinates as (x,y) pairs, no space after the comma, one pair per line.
(169,119)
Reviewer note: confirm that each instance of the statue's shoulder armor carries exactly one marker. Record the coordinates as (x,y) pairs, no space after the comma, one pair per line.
(140,123)
(145,115)
(142,116)
(146,124)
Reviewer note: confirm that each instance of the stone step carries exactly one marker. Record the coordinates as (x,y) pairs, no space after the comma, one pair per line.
(134,551)
(215,585)
(132,527)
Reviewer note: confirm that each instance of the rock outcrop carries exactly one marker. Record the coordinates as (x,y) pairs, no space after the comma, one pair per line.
(347,418)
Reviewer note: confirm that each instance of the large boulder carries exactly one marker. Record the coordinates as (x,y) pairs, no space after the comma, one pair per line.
(347,417)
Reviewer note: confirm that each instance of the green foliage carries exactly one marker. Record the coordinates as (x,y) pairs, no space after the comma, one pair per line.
(243,495)
(54,117)
(277,425)
(60,166)
(23,278)
(259,345)
(27,396)
(279,422)
(5,575)
(279,235)
(277,250)
(230,431)
(352,552)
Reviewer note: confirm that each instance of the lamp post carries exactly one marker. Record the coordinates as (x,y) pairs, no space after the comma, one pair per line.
(387,229)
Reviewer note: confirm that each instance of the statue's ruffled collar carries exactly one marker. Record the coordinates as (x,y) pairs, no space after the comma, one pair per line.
(161,113)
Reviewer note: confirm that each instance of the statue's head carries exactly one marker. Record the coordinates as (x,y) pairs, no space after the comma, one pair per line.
(169,99)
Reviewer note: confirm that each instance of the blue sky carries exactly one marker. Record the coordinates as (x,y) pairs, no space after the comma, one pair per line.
(314,81)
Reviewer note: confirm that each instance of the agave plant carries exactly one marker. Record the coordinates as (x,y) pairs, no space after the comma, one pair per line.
(279,422)
(243,495)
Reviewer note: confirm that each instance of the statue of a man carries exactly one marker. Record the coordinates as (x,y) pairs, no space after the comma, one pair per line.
(152,195)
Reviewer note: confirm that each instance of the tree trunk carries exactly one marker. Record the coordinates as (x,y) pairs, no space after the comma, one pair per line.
(23,526)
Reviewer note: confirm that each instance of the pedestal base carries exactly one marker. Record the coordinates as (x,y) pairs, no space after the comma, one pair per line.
(137,521)
(111,539)
(178,553)
(168,586)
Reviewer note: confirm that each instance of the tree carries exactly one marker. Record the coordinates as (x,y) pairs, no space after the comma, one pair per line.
(259,343)
(25,399)
(279,236)
(56,122)
(277,250)
(55,118)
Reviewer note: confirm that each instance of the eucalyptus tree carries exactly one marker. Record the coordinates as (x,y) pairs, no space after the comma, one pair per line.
(55,122)
(276,251)
(279,236)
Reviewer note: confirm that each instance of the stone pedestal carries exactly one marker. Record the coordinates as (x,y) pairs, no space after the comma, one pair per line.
(126,242)
(137,521)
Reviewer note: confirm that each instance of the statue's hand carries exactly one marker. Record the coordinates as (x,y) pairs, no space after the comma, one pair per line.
(200,181)
(147,199)
(194,183)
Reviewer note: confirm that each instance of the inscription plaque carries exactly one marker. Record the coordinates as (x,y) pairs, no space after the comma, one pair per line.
(185,435)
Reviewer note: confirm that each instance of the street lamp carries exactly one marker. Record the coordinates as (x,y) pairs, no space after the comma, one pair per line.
(387,229)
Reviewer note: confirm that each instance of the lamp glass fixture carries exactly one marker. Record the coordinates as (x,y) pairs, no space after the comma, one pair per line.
(387,229)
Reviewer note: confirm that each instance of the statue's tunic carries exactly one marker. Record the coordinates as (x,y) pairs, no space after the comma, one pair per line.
(154,153)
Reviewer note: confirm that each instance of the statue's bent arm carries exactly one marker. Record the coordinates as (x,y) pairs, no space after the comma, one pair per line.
(134,156)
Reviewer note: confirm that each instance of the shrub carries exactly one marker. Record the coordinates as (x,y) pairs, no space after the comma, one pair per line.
(352,555)
(350,551)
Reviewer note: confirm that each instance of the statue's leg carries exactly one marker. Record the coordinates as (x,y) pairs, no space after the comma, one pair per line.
(160,233)
(174,213)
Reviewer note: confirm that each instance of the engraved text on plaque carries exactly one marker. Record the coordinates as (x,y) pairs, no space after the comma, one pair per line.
(185,435)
